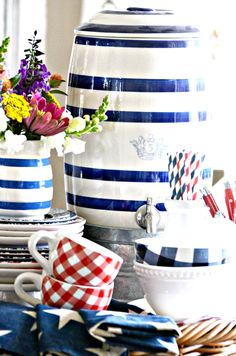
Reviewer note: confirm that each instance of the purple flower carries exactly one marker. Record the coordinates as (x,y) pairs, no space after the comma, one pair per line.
(32,79)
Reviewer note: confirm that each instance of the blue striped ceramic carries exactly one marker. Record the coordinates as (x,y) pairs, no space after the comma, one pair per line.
(153,66)
(25,182)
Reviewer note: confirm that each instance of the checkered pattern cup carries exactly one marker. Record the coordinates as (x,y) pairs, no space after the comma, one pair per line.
(60,294)
(74,259)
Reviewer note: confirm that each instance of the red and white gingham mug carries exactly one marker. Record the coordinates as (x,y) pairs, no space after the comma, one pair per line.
(60,294)
(75,259)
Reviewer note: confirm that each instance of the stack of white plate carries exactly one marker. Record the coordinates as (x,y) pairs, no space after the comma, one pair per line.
(15,257)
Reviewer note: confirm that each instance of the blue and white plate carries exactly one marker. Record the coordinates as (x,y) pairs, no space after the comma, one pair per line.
(55,216)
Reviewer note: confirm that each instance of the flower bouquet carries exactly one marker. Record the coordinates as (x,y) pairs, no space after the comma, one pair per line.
(29,109)
(32,122)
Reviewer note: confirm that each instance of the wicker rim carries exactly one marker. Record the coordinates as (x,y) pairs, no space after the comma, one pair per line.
(213,336)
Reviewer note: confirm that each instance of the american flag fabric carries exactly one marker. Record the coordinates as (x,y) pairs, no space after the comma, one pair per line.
(44,330)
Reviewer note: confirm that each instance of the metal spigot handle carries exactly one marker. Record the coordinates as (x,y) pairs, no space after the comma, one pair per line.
(148,217)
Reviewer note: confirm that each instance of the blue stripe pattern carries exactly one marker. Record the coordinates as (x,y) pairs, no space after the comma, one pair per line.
(135,84)
(108,42)
(90,27)
(14,162)
(115,175)
(13,184)
(142,116)
(25,206)
(108,204)
(139,11)
(122,176)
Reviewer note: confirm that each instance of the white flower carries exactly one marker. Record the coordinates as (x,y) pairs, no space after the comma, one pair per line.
(74,145)
(13,143)
(3,120)
(66,113)
(76,124)
(56,141)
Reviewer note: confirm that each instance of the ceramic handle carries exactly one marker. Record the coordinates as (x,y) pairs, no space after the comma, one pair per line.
(50,239)
(27,277)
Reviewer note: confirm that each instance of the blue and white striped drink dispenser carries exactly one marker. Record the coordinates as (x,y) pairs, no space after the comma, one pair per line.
(153,65)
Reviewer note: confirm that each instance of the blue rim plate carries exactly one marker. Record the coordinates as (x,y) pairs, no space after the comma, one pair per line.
(55,216)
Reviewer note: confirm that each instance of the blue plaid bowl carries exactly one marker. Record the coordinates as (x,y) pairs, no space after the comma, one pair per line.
(161,252)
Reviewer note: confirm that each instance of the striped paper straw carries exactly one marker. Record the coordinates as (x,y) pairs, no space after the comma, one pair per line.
(184,172)
(187,176)
(174,176)
(196,173)
(176,171)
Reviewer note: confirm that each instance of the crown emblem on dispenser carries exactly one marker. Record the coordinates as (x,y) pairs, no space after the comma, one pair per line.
(149,148)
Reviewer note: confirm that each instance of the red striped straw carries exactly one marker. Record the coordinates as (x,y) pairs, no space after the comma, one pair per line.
(195,171)
(184,173)
(187,160)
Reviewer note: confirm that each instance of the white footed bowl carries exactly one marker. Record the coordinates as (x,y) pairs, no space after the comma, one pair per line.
(188,292)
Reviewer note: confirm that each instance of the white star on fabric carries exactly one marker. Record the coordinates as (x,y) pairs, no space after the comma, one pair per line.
(170,346)
(164,326)
(40,335)
(100,334)
(109,352)
(33,315)
(114,313)
(65,315)
(5,332)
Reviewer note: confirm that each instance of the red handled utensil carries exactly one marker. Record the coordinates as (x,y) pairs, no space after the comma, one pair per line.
(210,202)
(229,200)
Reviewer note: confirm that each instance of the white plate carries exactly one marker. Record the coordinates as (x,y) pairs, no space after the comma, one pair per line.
(15,233)
(14,272)
(20,233)
(7,280)
(54,216)
(19,265)
(8,287)
(8,240)
(75,225)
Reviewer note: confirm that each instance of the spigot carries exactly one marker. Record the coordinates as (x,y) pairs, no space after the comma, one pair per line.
(148,217)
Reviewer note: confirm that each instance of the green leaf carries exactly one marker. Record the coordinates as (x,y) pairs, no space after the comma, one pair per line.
(57,91)
(4,48)
(15,80)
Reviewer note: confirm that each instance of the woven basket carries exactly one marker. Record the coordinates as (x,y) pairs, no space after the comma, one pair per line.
(213,336)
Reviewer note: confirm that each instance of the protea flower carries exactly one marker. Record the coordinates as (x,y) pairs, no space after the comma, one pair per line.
(46,119)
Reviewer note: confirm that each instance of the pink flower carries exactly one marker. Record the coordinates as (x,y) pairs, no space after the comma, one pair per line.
(45,118)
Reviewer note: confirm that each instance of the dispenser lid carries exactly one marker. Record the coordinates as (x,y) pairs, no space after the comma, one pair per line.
(139,22)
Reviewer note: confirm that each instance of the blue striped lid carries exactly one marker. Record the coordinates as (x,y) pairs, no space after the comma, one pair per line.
(140,22)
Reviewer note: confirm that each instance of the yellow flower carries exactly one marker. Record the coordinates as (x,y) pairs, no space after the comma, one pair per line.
(15,106)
